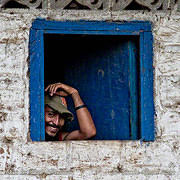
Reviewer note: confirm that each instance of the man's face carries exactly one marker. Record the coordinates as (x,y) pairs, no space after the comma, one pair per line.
(53,121)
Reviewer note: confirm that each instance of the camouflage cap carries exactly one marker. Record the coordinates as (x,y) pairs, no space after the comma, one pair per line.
(55,103)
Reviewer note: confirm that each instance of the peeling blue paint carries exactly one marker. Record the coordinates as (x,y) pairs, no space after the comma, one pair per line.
(138,28)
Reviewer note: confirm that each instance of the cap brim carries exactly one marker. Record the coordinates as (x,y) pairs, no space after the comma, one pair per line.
(59,107)
(62,110)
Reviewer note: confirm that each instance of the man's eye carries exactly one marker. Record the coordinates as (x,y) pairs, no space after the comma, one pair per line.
(50,114)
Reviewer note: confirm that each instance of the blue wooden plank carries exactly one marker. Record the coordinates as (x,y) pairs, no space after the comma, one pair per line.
(146,72)
(120,90)
(133,89)
(93,32)
(34,88)
(92,25)
(42,120)
(36,95)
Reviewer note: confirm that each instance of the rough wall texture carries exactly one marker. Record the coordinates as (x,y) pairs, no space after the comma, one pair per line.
(102,160)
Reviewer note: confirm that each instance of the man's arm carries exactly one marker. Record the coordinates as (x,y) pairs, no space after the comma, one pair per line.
(86,124)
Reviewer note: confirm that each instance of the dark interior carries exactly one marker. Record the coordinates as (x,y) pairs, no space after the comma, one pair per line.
(61,50)
(70,59)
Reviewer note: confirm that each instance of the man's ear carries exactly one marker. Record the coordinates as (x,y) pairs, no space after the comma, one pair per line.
(62,122)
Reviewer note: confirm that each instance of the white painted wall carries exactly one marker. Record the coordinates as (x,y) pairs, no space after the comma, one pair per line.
(89,160)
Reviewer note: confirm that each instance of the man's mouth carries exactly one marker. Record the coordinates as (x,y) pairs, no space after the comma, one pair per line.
(53,130)
(53,126)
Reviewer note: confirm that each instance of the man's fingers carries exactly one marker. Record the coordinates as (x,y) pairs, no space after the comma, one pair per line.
(56,87)
(51,89)
(50,86)
(47,88)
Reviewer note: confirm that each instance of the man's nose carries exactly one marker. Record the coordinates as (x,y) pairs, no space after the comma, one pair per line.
(56,120)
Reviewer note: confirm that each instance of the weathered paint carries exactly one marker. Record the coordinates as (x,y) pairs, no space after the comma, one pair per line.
(71,26)
(37,124)
(146,115)
(146,73)
(134,87)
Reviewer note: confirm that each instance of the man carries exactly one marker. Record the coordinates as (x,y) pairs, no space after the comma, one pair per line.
(56,113)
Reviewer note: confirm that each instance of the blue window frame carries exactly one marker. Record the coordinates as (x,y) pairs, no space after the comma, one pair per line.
(142,30)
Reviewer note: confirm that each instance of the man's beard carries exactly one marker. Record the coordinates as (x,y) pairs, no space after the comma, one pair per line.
(52,138)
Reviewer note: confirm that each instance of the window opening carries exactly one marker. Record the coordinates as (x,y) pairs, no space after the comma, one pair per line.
(112,60)
(99,67)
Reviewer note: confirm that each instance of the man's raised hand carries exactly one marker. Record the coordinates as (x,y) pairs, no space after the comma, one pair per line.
(60,89)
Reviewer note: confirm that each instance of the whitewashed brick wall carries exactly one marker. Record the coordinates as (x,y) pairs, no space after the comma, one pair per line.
(88,160)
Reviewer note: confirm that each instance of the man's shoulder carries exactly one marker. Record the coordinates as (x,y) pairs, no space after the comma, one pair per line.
(63,135)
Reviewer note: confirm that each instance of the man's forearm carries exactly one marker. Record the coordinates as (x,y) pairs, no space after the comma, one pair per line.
(86,123)
(77,99)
